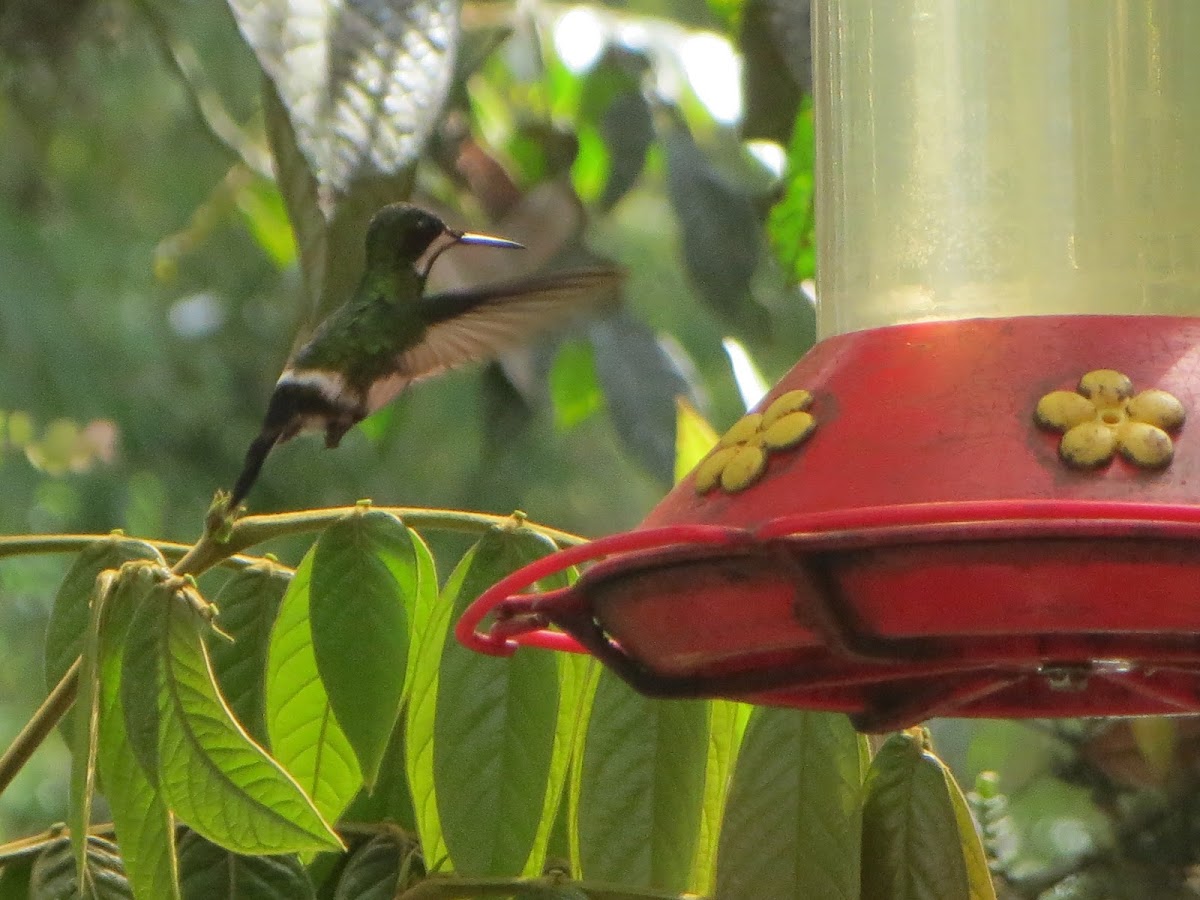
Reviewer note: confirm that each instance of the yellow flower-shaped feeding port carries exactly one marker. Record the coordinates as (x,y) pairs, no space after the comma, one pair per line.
(740,457)
(1104,416)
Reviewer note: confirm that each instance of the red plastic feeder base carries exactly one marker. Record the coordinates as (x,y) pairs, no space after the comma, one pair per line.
(925,548)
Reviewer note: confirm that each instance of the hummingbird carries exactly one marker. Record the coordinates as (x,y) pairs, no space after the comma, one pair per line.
(389,334)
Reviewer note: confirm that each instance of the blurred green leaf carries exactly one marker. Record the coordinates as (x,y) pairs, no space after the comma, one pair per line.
(793,818)
(720,224)
(364,585)
(914,846)
(1157,738)
(776,53)
(494,732)
(207,872)
(54,873)
(641,792)
(247,606)
(641,376)
(729,12)
(574,389)
(694,438)
(298,190)
(265,214)
(305,737)
(790,222)
(212,775)
(628,131)
(613,108)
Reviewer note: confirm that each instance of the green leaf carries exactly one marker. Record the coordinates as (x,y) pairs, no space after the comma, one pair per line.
(494,730)
(726,727)
(15,878)
(305,738)
(69,615)
(364,586)
(912,838)
(694,438)
(247,605)
(54,873)
(373,872)
(212,775)
(300,193)
(87,724)
(431,628)
(208,871)
(390,800)
(641,787)
(144,826)
(574,687)
(574,390)
(792,821)
(586,698)
(141,682)
(790,222)
(975,857)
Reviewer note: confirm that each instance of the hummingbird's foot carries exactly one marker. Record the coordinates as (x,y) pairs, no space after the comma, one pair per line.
(218,523)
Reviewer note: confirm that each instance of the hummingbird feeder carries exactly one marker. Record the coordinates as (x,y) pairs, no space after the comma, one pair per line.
(977,494)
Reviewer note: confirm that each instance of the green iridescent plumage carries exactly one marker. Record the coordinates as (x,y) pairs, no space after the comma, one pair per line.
(390,334)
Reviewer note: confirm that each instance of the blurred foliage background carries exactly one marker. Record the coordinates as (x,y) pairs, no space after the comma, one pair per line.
(150,293)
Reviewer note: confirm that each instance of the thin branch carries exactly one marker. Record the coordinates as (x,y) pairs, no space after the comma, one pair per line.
(454,888)
(34,844)
(33,544)
(252,530)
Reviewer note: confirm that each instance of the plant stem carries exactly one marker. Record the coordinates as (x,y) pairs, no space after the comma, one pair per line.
(38,728)
(28,545)
(252,530)
(453,888)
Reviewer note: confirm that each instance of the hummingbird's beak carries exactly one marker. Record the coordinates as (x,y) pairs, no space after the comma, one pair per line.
(461,237)
(471,237)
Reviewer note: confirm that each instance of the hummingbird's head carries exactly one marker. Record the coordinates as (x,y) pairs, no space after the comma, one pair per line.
(404,235)
(399,234)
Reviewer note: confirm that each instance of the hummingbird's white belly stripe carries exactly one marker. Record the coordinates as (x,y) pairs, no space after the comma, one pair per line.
(332,385)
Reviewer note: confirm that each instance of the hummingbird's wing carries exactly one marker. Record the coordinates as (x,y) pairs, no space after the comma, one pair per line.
(482,323)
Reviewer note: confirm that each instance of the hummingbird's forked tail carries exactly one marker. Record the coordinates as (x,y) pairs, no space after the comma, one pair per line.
(259,448)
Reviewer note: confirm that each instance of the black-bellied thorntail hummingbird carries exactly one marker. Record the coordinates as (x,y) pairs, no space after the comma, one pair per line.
(390,334)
